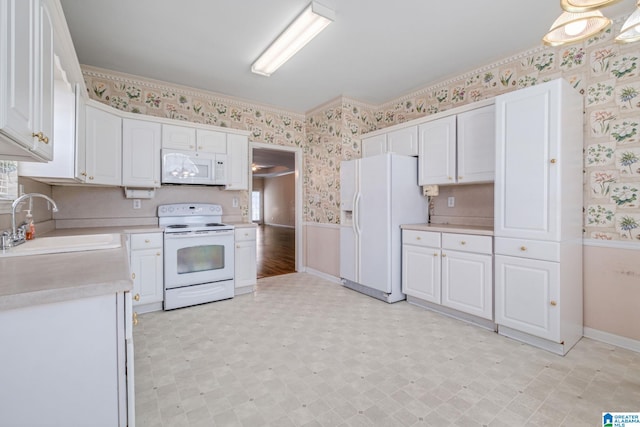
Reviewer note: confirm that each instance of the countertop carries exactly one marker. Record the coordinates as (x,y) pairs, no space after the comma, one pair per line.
(451,228)
(42,279)
(50,278)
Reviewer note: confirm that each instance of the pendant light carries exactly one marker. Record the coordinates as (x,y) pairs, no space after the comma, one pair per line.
(630,31)
(577,6)
(574,27)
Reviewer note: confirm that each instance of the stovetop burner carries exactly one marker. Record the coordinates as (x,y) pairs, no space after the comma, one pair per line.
(191,218)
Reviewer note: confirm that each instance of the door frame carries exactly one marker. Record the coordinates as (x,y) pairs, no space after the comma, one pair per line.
(298,193)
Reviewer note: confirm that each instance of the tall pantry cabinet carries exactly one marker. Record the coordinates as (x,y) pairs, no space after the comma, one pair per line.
(538,215)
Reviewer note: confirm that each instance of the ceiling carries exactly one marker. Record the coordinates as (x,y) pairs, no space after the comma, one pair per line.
(267,163)
(373,52)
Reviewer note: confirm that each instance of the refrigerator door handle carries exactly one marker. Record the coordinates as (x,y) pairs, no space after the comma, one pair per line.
(356,214)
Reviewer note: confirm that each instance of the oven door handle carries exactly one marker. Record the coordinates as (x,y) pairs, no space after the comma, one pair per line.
(192,235)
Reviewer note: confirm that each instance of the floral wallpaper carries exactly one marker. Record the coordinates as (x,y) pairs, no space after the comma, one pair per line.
(604,72)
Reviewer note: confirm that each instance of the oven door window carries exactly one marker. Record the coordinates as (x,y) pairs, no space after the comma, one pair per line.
(194,259)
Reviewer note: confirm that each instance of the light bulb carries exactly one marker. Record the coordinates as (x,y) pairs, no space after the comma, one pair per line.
(576,27)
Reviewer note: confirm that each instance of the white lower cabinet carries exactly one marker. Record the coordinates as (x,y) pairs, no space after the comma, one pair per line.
(449,269)
(69,363)
(146,259)
(245,259)
(527,294)
(467,283)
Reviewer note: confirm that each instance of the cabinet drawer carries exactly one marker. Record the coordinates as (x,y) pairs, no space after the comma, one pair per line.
(467,243)
(536,249)
(245,233)
(146,240)
(421,238)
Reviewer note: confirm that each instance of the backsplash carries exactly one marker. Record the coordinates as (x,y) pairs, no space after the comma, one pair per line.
(604,72)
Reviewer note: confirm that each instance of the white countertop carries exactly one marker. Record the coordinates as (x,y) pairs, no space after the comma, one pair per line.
(43,279)
(451,228)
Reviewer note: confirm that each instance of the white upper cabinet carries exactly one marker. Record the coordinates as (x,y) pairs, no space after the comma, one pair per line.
(374,145)
(476,145)
(237,162)
(211,141)
(437,151)
(538,182)
(26,76)
(104,147)
(458,148)
(178,137)
(141,141)
(401,141)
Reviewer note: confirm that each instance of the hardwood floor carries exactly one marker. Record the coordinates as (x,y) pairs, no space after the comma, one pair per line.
(276,250)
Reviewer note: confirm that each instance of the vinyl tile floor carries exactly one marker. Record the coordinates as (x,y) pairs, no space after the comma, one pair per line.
(304,351)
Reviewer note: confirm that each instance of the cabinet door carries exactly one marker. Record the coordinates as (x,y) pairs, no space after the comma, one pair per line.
(211,141)
(238,162)
(437,152)
(178,137)
(525,182)
(476,145)
(403,141)
(467,283)
(43,147)
(374,145)
(103,147)
(245,263)
(146,272)
(421,272)
(348,254)
(19,87)
(54,354)
(527,296)
(141,143)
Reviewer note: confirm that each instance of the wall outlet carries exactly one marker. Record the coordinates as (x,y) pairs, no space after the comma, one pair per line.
(451,202)
(235,202)
(137,204)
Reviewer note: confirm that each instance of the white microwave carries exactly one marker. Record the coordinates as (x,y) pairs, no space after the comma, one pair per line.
(191,167)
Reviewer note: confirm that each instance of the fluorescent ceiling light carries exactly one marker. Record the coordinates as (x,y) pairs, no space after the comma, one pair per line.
(301,31)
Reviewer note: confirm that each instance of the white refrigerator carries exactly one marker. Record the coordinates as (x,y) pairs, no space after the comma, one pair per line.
(377,195)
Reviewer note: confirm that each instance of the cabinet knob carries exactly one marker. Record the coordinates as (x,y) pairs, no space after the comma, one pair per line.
(83,173)
(238,246)
(418,238)
(450,178)
(459,177)
(191,146)
(158,254)
(444,255)
(137,297)
(523,248)
(133,276)
(147,240)
(135,318)
(436,254)
(553,160)
(553,303)
(90,177)
(462,242)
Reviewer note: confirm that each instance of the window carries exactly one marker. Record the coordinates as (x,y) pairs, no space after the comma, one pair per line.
(255,206)
(8,183)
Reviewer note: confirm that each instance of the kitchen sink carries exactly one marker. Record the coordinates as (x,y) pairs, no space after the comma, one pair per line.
(61,244)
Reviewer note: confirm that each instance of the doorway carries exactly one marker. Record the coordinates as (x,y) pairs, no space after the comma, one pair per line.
(276,206)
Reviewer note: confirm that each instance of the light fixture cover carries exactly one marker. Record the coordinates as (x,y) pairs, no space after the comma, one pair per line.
(313,19)
(575,27)
(630,31)
(577,6)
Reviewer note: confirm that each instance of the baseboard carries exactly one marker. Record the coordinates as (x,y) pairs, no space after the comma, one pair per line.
(617,340)
(325,276)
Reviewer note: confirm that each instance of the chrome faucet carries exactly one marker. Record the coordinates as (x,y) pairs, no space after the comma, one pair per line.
(17,237)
